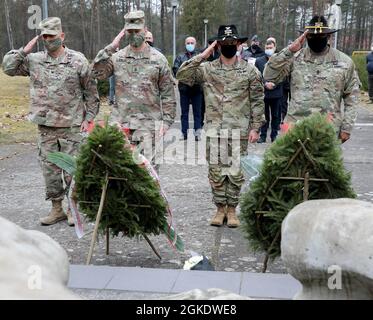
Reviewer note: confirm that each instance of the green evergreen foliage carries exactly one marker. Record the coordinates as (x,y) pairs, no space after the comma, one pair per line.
(133,204)
(361,67)
(103,87)
(263,228)
(191,23)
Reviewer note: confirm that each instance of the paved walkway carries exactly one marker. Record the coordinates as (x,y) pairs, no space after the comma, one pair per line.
(93,282)
(22,201)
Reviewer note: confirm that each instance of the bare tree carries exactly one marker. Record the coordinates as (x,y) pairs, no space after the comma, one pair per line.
(82,17)
(8,25)
(163,18)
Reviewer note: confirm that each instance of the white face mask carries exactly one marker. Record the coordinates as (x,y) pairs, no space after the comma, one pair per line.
(371,48)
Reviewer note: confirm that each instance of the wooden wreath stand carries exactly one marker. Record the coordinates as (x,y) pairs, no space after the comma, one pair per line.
(99,215)
(301,177)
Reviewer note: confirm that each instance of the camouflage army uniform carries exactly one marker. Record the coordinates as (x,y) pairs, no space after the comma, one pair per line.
(319,83)
(62,96)
(234,98)
(145,92)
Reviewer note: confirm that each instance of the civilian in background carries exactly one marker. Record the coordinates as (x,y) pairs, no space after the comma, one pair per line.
(255,51)
(273,97)
(150,40)
(189,95)
(370,73)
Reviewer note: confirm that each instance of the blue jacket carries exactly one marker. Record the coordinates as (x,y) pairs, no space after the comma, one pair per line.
(370,63)
(278,91)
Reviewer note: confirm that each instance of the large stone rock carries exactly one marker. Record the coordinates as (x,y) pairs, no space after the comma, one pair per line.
(32,265)
(330,235)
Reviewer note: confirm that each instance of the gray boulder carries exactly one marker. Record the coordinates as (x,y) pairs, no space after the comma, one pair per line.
(328,246)
(32,265)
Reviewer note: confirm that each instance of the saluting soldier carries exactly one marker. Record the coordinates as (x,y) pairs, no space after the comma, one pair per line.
(234,96)
(64,99)
(321,78)
(145,93)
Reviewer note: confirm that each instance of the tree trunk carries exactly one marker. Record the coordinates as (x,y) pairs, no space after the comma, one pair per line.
(93,31)
(163,18)
(284,14)
(84,31)
(8,25)
(314,7)
(259,17)
(344,32)
(350,35)
(98,12)
(318,7)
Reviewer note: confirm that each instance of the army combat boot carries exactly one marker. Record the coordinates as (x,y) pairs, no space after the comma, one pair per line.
(233,221)
(56,215)
(70,219)
(220,215)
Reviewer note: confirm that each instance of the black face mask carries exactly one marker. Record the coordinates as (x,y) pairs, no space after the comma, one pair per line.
(317,44)
(228,51)
(255,47)
(150,43)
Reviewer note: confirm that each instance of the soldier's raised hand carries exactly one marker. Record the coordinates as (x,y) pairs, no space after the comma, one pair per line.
(344,136)
(118,38)
(209,51)
(298,43)
(28,48)
(253,136)
(269,85)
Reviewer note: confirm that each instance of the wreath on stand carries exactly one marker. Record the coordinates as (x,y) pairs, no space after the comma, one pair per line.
(304,164)
(114,191)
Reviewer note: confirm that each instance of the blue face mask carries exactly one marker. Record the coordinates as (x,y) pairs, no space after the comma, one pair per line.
(269,52)
(190,47)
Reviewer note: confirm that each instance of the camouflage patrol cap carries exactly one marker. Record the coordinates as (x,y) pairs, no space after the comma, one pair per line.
(51,26)
(134,20)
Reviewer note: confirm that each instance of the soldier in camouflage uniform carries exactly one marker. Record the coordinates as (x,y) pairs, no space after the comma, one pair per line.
(234,96)
(145,93)
(64,99)
(321,77)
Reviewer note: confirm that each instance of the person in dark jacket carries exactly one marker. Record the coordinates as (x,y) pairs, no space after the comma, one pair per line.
(286,98)
(273,97)
(189,95)
(254,50)
(150,40)
(370,73)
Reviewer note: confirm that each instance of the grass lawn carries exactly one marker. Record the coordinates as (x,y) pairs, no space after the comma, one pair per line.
(14,107)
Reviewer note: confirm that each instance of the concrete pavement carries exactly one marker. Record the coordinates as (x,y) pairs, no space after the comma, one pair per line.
(188,190)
